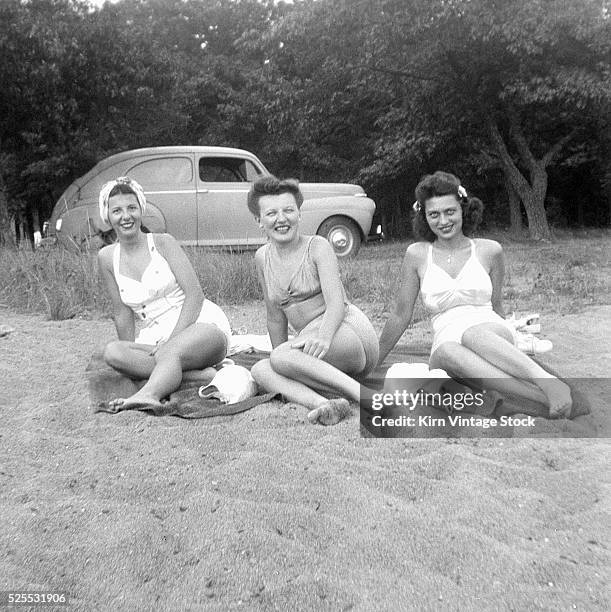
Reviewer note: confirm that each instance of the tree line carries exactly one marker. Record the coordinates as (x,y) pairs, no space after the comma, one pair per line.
(511,95)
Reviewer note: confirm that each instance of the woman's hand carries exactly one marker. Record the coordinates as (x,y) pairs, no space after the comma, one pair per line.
(313,346)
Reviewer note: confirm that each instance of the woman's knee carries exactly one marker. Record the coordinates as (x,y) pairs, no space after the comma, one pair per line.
(114,354)
(261,370)
(280,359)
(445,355)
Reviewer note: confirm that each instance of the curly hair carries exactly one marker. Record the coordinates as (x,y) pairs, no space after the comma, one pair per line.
(440,184)
(270,185)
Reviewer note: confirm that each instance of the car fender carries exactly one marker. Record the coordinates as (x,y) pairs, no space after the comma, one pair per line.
(316,210)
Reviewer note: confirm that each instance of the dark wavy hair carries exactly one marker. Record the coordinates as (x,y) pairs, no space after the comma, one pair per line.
(440,184)
(270,185)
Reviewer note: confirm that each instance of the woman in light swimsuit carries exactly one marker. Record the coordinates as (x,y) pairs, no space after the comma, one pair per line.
(149,277)
(460,280)
(301,284)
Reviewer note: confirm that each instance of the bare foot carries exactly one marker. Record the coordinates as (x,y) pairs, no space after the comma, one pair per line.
(330,412)
(135,402)
(558,396)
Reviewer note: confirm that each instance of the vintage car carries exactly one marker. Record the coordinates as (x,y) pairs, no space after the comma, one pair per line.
(198,194)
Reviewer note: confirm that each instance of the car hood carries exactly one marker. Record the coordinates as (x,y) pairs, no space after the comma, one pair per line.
(328,190)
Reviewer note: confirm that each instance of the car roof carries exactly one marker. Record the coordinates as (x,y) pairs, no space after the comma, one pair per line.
(148,151)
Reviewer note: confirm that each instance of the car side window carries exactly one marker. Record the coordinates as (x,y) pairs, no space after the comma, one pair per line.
(163,170)
(227,170)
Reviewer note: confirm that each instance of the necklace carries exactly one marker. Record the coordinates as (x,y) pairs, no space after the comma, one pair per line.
(450,253)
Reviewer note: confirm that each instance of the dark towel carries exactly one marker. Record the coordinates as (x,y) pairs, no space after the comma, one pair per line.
(106,384)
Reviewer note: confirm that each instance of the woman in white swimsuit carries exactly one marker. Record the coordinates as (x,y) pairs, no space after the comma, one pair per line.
(460,280)
(301,284)
(150,278)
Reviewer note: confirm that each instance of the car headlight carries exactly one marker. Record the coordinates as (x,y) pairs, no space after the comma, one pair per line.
(58,225)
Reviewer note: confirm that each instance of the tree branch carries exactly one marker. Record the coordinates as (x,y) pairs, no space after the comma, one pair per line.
(549,157)
(528,159)
(519,183)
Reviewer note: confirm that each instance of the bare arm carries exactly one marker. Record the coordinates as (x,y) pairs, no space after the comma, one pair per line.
(277,324)
(403,309)
(122,315)
(497,275)
(185,277)
(333,293)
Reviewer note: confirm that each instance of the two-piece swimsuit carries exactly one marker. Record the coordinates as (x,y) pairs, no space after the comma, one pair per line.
(458,303)
(157,299)
(303,303)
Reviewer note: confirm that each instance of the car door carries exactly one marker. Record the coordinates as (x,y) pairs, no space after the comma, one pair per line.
(169,185)
(223,183)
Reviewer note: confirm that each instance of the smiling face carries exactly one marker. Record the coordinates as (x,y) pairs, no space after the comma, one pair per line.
(444,216)
(124,214)
(279,217)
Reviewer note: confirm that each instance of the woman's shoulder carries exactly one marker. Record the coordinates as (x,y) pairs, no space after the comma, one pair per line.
(163,240)
(485,245)
(417,250)
(260,253)
(105,255)
(318,244)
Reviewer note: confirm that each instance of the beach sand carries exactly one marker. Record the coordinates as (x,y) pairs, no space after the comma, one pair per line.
(263,511)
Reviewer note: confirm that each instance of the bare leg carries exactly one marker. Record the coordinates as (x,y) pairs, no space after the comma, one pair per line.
(295,375)
(322,410)
(461,362)
(346,354)
(199,345)
(494,343)
(129,358)
(464,362)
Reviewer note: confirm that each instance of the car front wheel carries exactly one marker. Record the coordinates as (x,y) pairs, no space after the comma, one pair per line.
(343,234)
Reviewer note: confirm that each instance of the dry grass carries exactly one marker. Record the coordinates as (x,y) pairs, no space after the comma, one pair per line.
(563,276)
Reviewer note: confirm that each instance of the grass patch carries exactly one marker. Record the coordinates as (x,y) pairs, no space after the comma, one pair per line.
(561,277)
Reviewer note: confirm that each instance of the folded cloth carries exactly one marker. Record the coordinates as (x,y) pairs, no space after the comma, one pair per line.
(247,343)
(232,384)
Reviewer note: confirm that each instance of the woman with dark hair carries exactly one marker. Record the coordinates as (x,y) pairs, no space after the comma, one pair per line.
(460,280)
(150,278)
(301,284)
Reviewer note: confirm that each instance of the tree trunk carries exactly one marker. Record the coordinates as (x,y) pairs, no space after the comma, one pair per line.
(6,235)
(531,193)
(515,212)
(538,226)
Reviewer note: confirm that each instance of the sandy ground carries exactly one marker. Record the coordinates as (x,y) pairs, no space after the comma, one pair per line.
(262,511)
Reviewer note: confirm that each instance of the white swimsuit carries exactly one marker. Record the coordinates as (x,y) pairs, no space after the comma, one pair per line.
(157,299)
(458,303)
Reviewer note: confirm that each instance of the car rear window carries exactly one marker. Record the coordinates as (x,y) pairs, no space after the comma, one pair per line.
(166,171)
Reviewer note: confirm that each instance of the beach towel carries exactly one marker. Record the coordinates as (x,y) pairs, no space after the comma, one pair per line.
(106,384)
